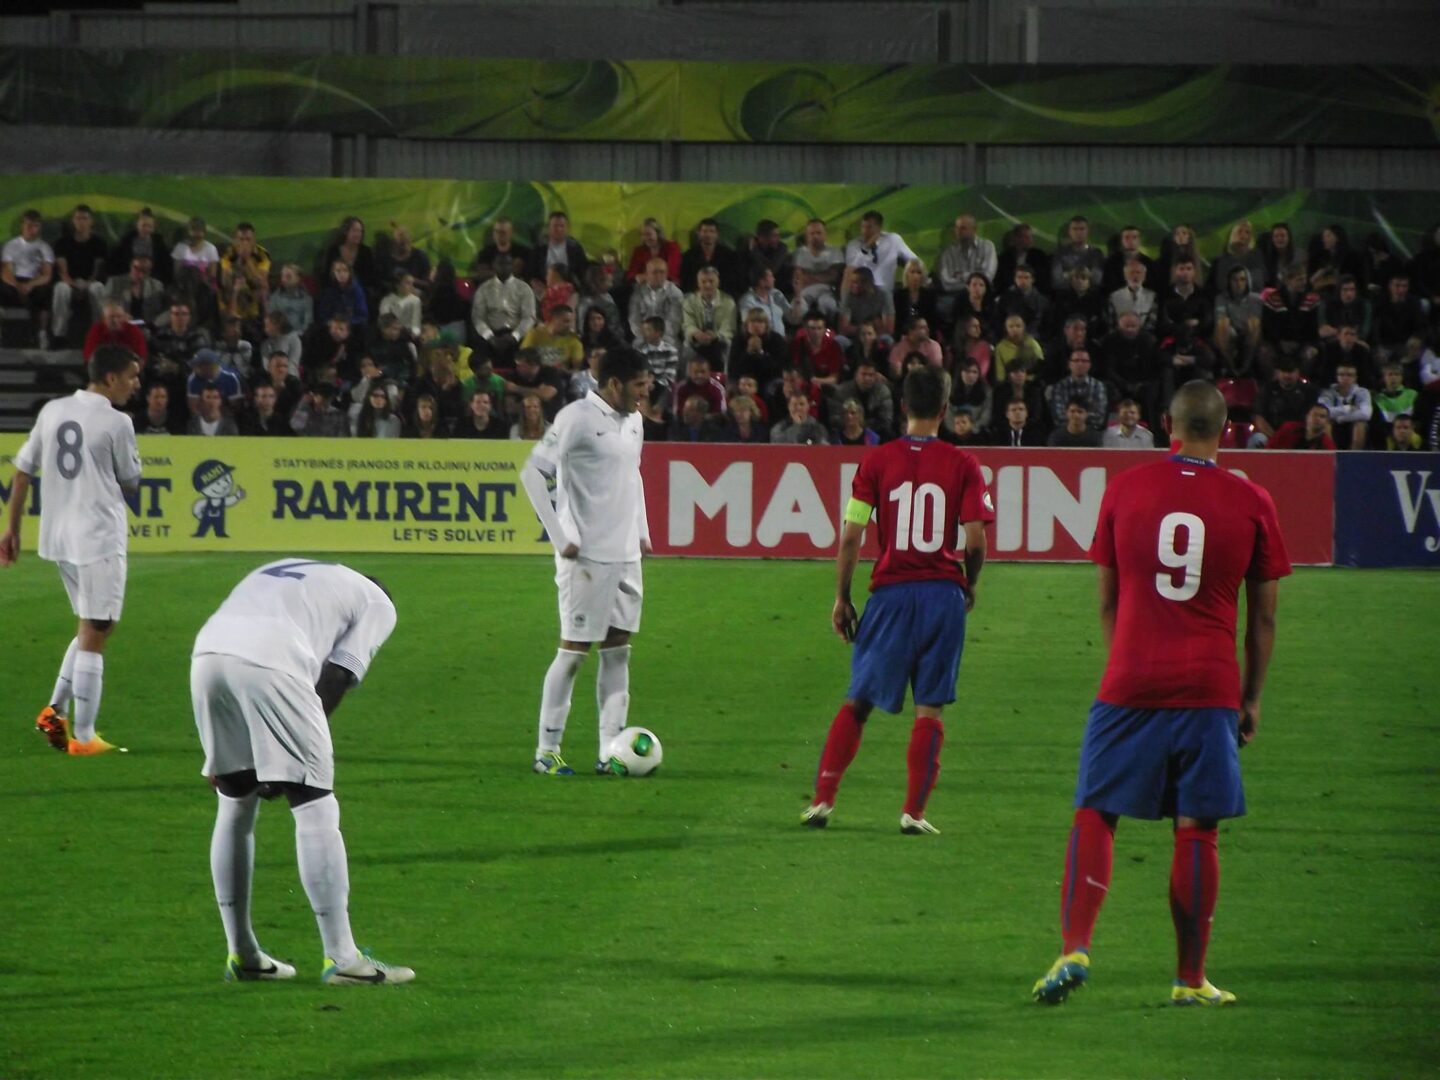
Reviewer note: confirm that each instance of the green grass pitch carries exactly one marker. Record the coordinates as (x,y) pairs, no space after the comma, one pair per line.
(685,925)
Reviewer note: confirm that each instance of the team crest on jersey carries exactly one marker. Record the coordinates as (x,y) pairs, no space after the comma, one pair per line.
(215,481)
(989,502)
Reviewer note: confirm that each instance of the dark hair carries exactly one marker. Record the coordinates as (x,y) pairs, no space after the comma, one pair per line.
(623,364)
(1126,401)
(873,215)
(707,221)
(558,213)
(529,355)
(558,308)
(110,360)
(82,208)
(813,316)
(765,225)
(365,423)
(655,322)
(1345,279)
(1077,402)
(1184,260)
(758,273)
(388,319)
(244,226)
(924,393)
(1285,362)
(209,386)
(31,215)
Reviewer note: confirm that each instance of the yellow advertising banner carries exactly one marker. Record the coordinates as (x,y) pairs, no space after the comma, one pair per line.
(237,494)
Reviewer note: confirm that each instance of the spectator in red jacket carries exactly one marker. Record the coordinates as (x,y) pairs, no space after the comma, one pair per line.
(816,352)
(1313,434)
(115,328)
(653,245)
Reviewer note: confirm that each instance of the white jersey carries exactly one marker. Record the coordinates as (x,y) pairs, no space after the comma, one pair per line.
(593,453)
(296,615)
(84,450)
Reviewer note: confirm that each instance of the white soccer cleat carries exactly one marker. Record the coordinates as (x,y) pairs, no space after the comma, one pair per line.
(263,968)
(816,815)
(365,971)
(917,826)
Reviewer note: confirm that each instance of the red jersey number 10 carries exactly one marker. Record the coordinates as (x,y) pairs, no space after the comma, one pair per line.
(1189,559)
(919,517)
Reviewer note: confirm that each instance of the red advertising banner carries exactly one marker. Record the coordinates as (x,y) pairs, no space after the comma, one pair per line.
(786,501)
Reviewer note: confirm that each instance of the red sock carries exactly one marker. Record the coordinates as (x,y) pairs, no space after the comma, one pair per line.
(1194,885)
(840,748)
(926,738)
(1088,860)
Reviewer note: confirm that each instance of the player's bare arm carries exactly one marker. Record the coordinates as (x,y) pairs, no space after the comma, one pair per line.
(15,514)
(976,548)
(1109,587)
(842,616)
(1261,600)
(334,682)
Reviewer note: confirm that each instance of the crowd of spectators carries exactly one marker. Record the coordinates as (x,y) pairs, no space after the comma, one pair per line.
(1329,344)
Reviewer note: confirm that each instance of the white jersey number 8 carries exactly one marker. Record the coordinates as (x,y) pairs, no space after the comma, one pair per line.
(919,517)
(1188,560)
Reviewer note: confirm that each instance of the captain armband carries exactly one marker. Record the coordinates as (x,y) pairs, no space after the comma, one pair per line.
(857,512)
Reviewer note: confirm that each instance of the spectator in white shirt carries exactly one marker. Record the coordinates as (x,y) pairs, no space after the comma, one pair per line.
(27,265)
(196,252)
(878,251)
(656,295)
(1350,409)
(1127,434)
(503,312)
(1133,296)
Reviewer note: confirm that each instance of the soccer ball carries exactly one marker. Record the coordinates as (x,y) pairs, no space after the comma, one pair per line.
(636,751)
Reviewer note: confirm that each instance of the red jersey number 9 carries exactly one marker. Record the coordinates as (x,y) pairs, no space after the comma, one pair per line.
(1188,560)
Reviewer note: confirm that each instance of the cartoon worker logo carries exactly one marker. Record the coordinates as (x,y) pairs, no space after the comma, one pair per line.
(215,481)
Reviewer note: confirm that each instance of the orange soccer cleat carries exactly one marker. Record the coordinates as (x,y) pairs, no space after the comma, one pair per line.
(97,745)
(54,727)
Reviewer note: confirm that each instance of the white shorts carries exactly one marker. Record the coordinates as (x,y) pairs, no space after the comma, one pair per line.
(255,718)
(596,596)
(96,589)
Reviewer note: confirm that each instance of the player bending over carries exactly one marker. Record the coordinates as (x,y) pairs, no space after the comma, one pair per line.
(267,670)
(930,506)
(599,530)
(84,448)
(1174,541)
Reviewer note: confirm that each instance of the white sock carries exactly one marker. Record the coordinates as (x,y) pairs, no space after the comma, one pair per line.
(232,866)
(320,851)
(64,688)
(555,698)
(88,678)
(612,694)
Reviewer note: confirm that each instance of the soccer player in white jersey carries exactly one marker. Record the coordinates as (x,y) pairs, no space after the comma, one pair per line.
(267,670)
(83,447)
(599,529)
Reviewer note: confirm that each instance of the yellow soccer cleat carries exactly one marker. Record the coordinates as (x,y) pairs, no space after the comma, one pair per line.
(1066,974)
(97,745)
(54,727)
(1204,994)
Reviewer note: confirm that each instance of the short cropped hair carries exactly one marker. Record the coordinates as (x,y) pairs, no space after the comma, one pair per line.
(1198,411)
(924,393)
(110,360)
(623,364)
(873,215)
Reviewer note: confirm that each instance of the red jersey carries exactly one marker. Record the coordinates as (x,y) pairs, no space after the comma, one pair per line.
(1181,535)
(922,491)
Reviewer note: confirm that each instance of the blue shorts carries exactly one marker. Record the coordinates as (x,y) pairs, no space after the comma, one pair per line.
(910,634)
(1156,763)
